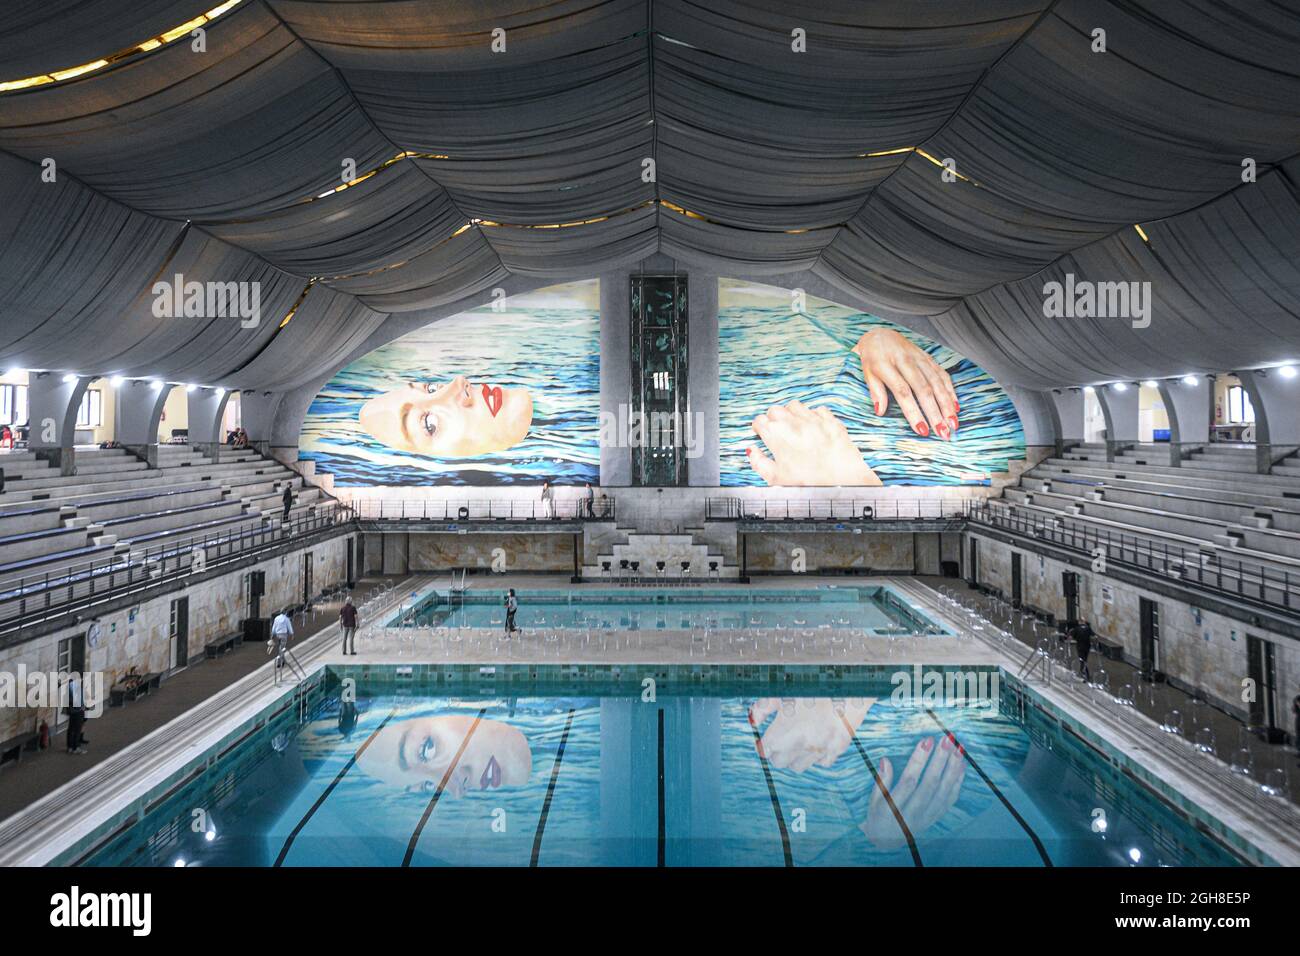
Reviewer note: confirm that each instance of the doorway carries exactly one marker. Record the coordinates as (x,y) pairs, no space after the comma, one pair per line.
(973,564)
(179,633)
(1149,631)
(352,568)
(1015,579)
(306,579)
(1070,588)
(1261,668)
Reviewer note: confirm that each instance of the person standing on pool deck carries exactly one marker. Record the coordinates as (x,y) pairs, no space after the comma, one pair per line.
(281,631)
(512,605)
(288,501)
(548,499)
(76,716)
(1083,646)
(591,501)
(348,621)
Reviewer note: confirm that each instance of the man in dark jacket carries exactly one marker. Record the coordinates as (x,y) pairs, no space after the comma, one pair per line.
(348,621)
(288,500)
(1083,634)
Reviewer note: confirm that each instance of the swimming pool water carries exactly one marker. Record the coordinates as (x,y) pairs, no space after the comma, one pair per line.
(633,774)
(873,609)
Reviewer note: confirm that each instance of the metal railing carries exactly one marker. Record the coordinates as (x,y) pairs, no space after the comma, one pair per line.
(485,509)
(835,509)
(32,598)
(1247,766)
(1245,580)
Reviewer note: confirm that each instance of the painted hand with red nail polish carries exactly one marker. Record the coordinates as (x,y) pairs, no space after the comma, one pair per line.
(809,447)
(894,365)
(927,789)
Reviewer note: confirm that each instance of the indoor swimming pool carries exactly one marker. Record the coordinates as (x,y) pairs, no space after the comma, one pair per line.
(874,610)
(530,766)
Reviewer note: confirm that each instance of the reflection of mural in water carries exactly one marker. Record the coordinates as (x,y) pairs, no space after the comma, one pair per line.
(497,762)
(827,395)
(484,397)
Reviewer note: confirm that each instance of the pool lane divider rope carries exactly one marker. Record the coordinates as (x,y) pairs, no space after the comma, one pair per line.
(550,790)
(884,791)
(433,802)
(284,850)
(771,791)
(1038,844)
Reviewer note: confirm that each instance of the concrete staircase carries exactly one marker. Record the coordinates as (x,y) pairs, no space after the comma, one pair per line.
(649,548)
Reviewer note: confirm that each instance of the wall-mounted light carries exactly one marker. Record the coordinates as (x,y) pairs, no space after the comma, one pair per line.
(116,381)
(1191,380)
(1120,387)
(1088,389)
(69,378)
(220,392)
(190,388)
(1287,371)
(1150,384)
(155,384)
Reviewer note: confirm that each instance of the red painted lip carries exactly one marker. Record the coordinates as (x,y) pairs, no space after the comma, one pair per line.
(492,395)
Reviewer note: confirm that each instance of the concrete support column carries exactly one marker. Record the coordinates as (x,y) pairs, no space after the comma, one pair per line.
(615,372)
(53,399)
(257,414)
(1069,412)
(702,379)
(1191,410)
(139,411)
(1121,411)
(1040,420)
(1276,399)
(206,408)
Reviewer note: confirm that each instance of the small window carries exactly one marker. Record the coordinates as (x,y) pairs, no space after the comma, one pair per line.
(1240,411)
(91,412)
(13,404)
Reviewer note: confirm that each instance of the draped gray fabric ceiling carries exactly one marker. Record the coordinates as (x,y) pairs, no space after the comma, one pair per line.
(221,166)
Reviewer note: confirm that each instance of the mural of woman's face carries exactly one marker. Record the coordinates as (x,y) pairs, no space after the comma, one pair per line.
(417,754)
(457,419)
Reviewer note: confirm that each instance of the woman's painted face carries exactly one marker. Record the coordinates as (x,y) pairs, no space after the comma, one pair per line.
(417,754)
(456,420)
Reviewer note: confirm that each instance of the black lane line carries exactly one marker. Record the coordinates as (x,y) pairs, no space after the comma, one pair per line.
(663,828)
(284,850)
(1038,844)
(550,789)
(433,802)
(771,792)
(889,798)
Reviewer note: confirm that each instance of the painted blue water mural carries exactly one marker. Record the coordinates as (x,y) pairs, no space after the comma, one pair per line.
(770,354)
(546,343)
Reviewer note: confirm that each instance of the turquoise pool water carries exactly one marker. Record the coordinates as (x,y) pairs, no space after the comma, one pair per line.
(553,772)
(874,609)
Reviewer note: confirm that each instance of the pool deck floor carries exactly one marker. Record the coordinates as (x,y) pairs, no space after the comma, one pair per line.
(1272,823)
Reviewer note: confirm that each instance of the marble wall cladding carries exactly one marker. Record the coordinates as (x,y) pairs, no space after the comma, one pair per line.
(838,551)
(512,552)
(1197,648)
(140,637)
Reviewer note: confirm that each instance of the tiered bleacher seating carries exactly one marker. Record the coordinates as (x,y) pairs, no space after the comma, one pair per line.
(1214,503)
(116,507)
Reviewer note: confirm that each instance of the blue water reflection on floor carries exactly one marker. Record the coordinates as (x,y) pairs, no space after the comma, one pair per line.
(422,780)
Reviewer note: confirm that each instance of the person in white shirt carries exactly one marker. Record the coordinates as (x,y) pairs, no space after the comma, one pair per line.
(281,632)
